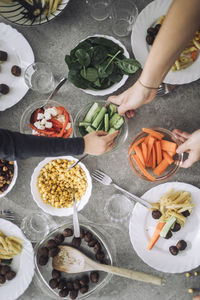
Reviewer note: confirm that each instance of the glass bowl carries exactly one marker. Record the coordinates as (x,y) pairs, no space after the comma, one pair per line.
(123,132)
(13,181)
(25,118)
(171,170)
(43,273)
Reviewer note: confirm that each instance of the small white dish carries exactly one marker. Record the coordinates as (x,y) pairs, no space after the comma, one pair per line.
(142,226)
(19,53)
(11,185)
(47,207)
(22,264)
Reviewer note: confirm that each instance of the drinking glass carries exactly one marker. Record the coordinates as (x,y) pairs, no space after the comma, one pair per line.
(123,15)
(99,9)
(39,77)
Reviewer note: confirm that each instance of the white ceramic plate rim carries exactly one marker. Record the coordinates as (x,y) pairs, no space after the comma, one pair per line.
(23,52)
(11,185)
(47,207)
(148,17)
(117,85)
(142,226)
(25,261)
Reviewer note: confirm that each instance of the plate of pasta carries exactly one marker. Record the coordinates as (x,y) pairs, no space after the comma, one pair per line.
(16,261)
(173,200)
(187,67)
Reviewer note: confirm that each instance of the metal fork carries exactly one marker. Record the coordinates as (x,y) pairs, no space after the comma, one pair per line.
(78,161)
(106,180)
(7,214)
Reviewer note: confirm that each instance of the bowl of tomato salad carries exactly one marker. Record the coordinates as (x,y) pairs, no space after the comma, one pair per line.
(51,120)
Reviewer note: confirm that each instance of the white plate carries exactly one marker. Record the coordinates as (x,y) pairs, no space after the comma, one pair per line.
(47,207)
(11,185)
(19,53)
(142,226)
(148,17)
(117,85)
(22,264)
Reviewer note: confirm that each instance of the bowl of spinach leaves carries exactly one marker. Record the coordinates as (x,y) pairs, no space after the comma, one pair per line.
(100,65)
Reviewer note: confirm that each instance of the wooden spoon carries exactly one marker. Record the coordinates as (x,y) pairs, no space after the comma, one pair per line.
(71,260)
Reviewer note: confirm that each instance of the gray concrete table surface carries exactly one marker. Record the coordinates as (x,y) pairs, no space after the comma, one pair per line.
(180,109)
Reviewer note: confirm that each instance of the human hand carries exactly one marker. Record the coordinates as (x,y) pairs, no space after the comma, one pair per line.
(197,297)
(99,142)
(134,97)
(190,144)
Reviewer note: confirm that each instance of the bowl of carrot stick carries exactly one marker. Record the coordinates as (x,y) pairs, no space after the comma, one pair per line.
(152,154)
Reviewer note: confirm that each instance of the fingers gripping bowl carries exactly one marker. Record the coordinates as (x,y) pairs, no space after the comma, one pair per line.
(52,185)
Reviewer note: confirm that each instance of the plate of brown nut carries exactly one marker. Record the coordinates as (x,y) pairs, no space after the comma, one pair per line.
(15,56)
(93,242)
(175,250)
(52,186)
(8,176)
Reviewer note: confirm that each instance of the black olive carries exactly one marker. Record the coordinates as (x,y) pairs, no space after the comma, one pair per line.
(63,293)
(186,213)
(10,275)
(84,280)
(59,238)
(16,70)
(55,274)
(73,294)
(181,245)
(53,251)
(100,256)
(53,283)
(173,250)
(149,39)
(76,242)
(156,214)
(176,227)
(67,232)
(62,284)
(51,244)
(88,236)
(69,285)
(43,260)
(2,279)
(94,277)
(4,89)
(43,251)
(169,235)
(92,243)
(97,247)
(157,27)
(151,31)
(76,284)
(3,56)
(4,270)
(84,289)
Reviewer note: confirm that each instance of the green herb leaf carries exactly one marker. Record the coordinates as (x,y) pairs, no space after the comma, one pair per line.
(83,57)
(89,74)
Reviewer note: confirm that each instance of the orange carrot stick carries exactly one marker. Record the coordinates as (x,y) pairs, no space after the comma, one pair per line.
(149,163)
(153,157)
(139,154)
(153,133)
(161,167)
(168,157)
(155,235)
(142,168)
(144,151)
(135,144)
(158,152)
(150,145)
(168,146)
(170,153)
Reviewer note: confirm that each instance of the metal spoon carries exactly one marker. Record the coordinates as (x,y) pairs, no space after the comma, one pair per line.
(75,219)
(76,163)
(53,93)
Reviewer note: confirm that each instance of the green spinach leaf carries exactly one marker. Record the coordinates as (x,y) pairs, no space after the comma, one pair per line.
(127,65)
(89,74)
(75,78)
(83,57)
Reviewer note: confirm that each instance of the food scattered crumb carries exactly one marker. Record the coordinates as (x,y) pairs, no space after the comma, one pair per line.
(190,291)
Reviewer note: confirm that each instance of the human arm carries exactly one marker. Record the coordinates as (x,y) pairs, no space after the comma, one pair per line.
(181,21)
(14,145)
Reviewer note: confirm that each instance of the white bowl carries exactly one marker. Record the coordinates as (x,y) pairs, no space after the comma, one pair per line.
(12,182)
(47,208)
(117,85)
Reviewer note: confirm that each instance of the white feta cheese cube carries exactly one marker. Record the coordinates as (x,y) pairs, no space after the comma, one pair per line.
(38,125)
(54,111)
(47,115)
(34,132)
(43,121)
(69,125)
(40,116)
(48,125)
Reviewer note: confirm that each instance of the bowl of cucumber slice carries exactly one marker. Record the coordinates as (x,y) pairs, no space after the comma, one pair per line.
(97,116)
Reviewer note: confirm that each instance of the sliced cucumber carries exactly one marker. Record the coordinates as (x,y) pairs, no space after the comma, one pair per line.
(106,122)
(118,124)
(99,117)
(84,124)
(90,113)
(90,129)
(82,131)
(95,114)
(167,226)
(114,119)
(100,127)
(111,130)
(112,109)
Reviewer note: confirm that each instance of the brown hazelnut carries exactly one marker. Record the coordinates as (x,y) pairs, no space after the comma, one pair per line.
(100,256)
(62,284)
(10,275)
(92,243)
(59,238)
(63,293)
(4,89)
(181,245)
(69,285)
(186,213)
(82,233)
(169,235)
(94,277)
(16,70)
(88,236)
(84,289)
(76,284)
(149,39)
(151,31)
(5,269)
(76,242)
(51,244)
(55,274)
(97,247)
(84,280)
(43,260)
(73,294)
(53,283)
(43,251)
(156,214)
(2,279)
(173,250)
(53,251)
(67,232)
(176,227)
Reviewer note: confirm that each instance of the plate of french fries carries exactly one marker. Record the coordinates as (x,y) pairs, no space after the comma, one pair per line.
(186,68)
(15,247)
(171,199)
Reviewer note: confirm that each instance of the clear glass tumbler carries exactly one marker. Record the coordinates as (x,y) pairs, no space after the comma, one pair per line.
(123,16)
(39,77)
(99,9)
